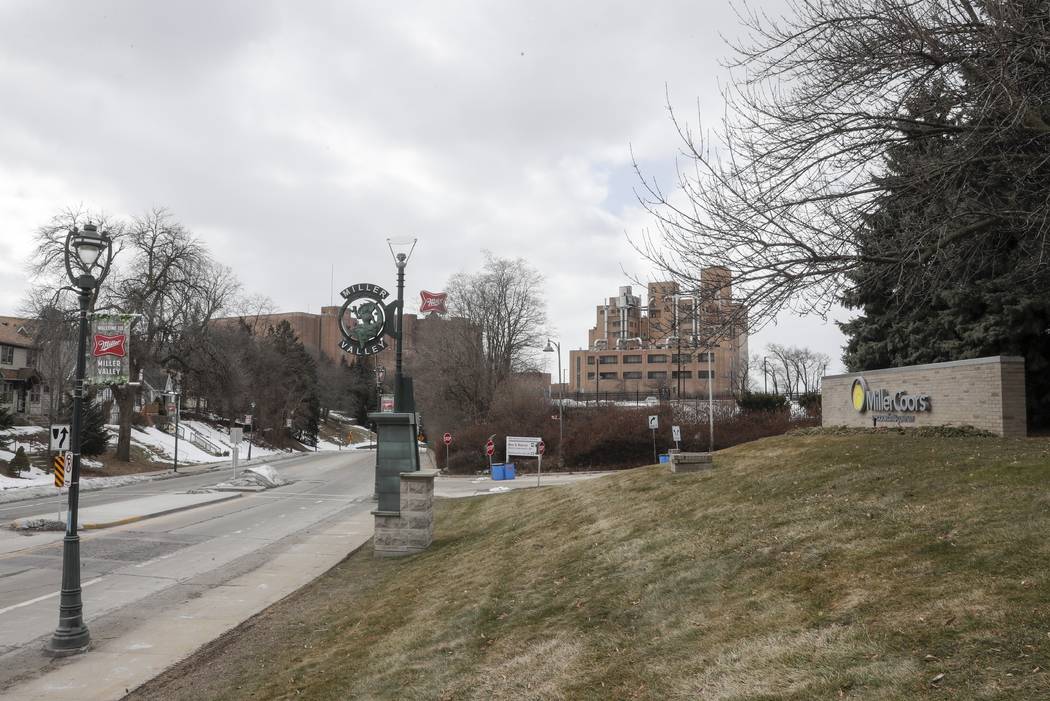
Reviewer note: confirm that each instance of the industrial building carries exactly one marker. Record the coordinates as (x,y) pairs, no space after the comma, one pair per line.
(674,345)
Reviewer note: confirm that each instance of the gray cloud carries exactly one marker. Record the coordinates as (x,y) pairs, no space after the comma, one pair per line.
(297,137)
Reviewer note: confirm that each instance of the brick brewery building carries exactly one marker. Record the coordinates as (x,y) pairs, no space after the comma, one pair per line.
(672,346)
(320,334)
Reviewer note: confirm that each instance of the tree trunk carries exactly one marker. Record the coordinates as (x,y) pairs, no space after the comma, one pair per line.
(125,398)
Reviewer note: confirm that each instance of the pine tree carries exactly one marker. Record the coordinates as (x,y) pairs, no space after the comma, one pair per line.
(974,307)
(20,462)
(364,396)
(94,437)
(299,383)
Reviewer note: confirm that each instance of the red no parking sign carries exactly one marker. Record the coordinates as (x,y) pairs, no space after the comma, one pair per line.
(447,438)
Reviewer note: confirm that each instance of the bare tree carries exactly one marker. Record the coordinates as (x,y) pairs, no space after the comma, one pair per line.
(162,274)
(54,335)
(796,370)
(819,98)
(505,301)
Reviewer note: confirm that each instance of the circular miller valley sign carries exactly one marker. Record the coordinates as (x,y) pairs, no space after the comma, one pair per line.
(364,321)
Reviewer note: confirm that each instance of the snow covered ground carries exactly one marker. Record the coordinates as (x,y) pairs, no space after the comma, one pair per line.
(30,478)
(161,445)
(158,445)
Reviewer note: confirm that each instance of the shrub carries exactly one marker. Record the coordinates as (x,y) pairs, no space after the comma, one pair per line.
(810,403)
(762,402)
(20,462)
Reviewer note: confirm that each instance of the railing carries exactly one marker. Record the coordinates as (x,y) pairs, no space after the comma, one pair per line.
(189,434)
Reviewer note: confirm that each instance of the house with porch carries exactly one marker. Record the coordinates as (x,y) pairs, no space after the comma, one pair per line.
(21,387)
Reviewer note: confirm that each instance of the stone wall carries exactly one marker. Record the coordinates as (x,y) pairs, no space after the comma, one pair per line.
(410,530)
(987,393)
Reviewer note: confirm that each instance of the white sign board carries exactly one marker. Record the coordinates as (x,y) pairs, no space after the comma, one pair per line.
(522,446)
(60,437)
(654,422)
(236,435)
(676,433)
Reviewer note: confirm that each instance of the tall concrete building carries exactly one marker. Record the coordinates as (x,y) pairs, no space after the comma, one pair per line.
(673,345)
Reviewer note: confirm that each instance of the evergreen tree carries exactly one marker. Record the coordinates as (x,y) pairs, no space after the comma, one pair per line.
(94,437)
(364,396)
(298,383)
(974,307)
(20,462)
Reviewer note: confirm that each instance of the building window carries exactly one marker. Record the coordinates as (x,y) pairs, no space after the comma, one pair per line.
(632,359)
(684,358)
(607,376)
(705,357)
(590,376)
(632,375)
(7,393)
(705,374)
(7,355)
(684,374)
(657,375)
(590,360)
(34,393)
(608,360)
(657,358)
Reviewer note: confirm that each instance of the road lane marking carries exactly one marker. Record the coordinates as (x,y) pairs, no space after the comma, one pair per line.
(45,596)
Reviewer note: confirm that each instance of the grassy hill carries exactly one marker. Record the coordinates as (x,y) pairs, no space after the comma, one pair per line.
(853,566)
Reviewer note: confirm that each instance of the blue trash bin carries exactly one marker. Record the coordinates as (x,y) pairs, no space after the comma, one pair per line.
(508,471)
(497,472)
(664,457)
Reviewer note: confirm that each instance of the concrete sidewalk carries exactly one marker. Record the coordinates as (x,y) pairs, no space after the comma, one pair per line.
(137,509)
(115,665)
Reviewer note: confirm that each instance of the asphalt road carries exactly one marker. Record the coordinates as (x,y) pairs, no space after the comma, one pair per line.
(155,564)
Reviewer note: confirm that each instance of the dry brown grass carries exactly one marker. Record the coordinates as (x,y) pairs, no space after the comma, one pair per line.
(802,567)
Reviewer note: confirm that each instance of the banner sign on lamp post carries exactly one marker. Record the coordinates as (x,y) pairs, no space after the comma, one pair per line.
(109,356)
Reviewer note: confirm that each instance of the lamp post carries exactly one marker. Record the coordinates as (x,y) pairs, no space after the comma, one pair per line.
(551,346)
(88,255)
(176,394)
(251,435)
(401,251)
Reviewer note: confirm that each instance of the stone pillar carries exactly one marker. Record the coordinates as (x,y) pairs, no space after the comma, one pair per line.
(410,530)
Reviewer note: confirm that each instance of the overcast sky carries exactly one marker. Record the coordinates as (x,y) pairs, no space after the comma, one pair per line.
(292,137)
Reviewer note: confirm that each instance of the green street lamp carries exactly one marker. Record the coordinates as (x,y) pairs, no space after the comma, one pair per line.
(561,399)
(88,255)
(401,250)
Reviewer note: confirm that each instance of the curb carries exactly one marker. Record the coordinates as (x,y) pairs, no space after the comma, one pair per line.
(143,517)
(88,526)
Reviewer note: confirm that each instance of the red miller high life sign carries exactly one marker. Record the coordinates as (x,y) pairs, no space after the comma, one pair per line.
(109,354)
(433,302)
